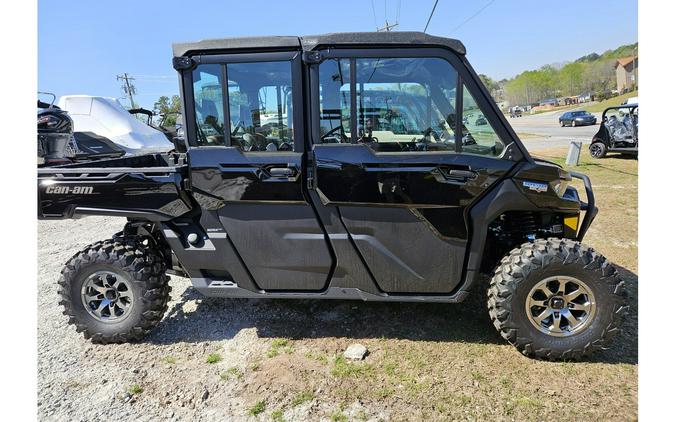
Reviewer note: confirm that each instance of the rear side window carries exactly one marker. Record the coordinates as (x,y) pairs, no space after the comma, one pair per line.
(253,111)
(209,110)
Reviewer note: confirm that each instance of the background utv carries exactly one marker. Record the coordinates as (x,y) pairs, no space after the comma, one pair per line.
(338,166)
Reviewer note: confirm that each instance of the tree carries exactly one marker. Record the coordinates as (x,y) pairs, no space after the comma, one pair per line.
(168,107)
(490,84)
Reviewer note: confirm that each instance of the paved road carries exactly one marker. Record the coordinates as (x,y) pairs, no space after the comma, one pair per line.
(543,130)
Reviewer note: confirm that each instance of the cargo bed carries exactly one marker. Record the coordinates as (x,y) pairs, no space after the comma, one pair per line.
(145,186)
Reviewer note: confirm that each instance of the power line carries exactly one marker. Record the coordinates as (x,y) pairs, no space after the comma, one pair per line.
(472,16)
(387,26)
(398,11)
(372,3)
(154,77)
(430,16)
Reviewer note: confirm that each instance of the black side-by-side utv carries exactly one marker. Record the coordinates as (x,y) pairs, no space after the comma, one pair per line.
(339,166)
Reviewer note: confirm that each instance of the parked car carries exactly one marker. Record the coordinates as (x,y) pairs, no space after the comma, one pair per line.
(339,220)
(577,118)
(618,132)
(480,121)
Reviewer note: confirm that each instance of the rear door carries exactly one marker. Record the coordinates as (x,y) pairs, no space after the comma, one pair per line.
(392,154)
(247,166)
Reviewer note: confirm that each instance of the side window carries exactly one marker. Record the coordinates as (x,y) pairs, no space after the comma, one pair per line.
(208,93)
(478,135)
(402,104)
(334,101)
(259,104)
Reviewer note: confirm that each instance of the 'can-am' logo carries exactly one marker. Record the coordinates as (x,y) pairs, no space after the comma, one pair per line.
(64,190)
(537,187)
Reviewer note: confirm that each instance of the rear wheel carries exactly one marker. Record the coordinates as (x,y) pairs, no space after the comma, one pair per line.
(574,123)
(114,291)
(597,150)
(556,299)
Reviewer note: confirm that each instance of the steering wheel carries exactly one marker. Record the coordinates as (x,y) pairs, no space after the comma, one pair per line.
(285,146)
(343,137)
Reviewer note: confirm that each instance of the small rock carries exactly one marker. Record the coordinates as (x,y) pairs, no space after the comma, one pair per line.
(356,352)
(205,394)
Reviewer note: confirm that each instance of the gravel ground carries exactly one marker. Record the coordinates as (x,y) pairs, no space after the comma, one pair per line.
(81,381)
(78,380)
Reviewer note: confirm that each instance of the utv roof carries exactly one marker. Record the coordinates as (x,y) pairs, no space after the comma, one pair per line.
(312,42)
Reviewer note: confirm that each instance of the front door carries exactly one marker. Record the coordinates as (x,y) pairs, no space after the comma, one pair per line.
(247,167)
(403,144)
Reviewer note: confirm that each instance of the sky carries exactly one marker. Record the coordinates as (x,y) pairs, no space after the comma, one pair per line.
(84,45)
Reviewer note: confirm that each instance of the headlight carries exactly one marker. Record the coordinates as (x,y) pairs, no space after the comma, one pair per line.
(559,187)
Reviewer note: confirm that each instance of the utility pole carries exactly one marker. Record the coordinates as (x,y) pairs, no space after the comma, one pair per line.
(387,27)
(128,88)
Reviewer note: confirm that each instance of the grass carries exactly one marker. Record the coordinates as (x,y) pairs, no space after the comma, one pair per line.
(343,368)
(526,135)
(302,397)
(135,389)
(317,356)
(170,360)
(232,372)
(278,415)
(338,417)
(258,408)
(610,102)
(213,358)
(279,346)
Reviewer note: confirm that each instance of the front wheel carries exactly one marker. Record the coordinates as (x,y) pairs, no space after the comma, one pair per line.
(556,299)
(114,291)
(562,123)
(597,150)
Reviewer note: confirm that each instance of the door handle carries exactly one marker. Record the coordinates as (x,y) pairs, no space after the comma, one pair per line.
(462,174)
(456,176)
(284,172)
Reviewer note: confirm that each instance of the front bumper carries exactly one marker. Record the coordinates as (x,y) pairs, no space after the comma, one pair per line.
(591,211)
